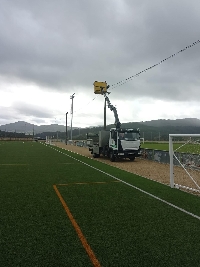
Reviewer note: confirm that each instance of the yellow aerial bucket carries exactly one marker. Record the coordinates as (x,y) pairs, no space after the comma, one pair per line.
(100,87)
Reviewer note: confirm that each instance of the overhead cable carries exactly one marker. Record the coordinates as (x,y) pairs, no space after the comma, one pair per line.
(153,66)
(85,104)
(145,70)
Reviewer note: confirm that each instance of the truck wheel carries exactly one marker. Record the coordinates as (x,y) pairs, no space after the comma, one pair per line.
(95,155)
(132,158)
(112,157)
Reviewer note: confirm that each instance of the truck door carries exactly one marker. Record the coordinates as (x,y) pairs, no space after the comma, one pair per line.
(113,142)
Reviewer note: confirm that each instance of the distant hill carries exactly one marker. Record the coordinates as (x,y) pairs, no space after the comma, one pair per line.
(179,122)
(28,128)
(150,130)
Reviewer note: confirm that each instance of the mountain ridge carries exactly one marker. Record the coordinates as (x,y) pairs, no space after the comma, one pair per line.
(29,128)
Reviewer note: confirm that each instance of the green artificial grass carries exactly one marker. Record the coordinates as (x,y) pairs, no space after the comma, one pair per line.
(34,229)
(123,226)
(188,148)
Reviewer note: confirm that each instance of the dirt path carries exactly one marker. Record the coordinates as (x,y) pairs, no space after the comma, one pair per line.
(146,168)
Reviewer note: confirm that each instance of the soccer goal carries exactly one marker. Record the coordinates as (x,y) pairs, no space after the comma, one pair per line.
(48,140)
(142,140)
(185,161)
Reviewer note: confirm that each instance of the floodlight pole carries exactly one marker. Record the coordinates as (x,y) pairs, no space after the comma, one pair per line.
(72,98)
(104,105)
(66,129)
(105,115)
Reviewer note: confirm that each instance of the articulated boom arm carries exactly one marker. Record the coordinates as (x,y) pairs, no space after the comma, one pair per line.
(112,108)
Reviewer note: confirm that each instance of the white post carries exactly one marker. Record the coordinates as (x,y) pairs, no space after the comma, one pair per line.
(72,108)
(171,155)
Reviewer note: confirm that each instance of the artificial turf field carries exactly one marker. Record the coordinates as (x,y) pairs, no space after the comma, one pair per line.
(62,209)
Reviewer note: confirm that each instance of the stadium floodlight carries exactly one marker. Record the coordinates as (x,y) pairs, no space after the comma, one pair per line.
(66,129)
(72,108)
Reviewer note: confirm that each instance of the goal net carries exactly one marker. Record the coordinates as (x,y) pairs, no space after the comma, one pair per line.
(184,152)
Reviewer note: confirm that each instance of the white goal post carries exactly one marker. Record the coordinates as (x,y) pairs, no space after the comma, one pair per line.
(48,140)
(142,139)
(172,155)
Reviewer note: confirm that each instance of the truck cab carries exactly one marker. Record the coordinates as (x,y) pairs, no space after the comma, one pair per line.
(124,143)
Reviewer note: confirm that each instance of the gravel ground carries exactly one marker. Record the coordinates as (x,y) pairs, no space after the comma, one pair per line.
(146,168)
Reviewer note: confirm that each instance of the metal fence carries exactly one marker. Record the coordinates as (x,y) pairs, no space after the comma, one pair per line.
(162,156)
(76,143)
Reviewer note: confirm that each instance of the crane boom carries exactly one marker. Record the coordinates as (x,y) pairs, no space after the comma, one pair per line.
(112,108)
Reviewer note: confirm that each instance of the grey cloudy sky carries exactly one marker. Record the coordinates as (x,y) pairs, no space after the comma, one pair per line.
(52,49)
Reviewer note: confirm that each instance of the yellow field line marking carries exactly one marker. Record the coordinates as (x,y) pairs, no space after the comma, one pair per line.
(90,183)
(82,238)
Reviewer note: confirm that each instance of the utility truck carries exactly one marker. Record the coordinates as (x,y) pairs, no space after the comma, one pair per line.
(117,142)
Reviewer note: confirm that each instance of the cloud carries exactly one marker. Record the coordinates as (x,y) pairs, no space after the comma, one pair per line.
(32,110)
(64,47)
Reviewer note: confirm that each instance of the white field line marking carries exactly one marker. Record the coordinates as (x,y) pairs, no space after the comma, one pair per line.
(135,187)
(14,164)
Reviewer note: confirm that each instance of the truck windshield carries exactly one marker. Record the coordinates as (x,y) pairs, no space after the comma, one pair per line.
(128,136)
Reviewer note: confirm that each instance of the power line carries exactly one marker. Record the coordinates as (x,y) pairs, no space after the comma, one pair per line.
(145,70)
(85,104)
(153,66)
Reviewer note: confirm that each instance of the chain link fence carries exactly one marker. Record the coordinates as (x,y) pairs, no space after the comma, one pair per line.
(162,156)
